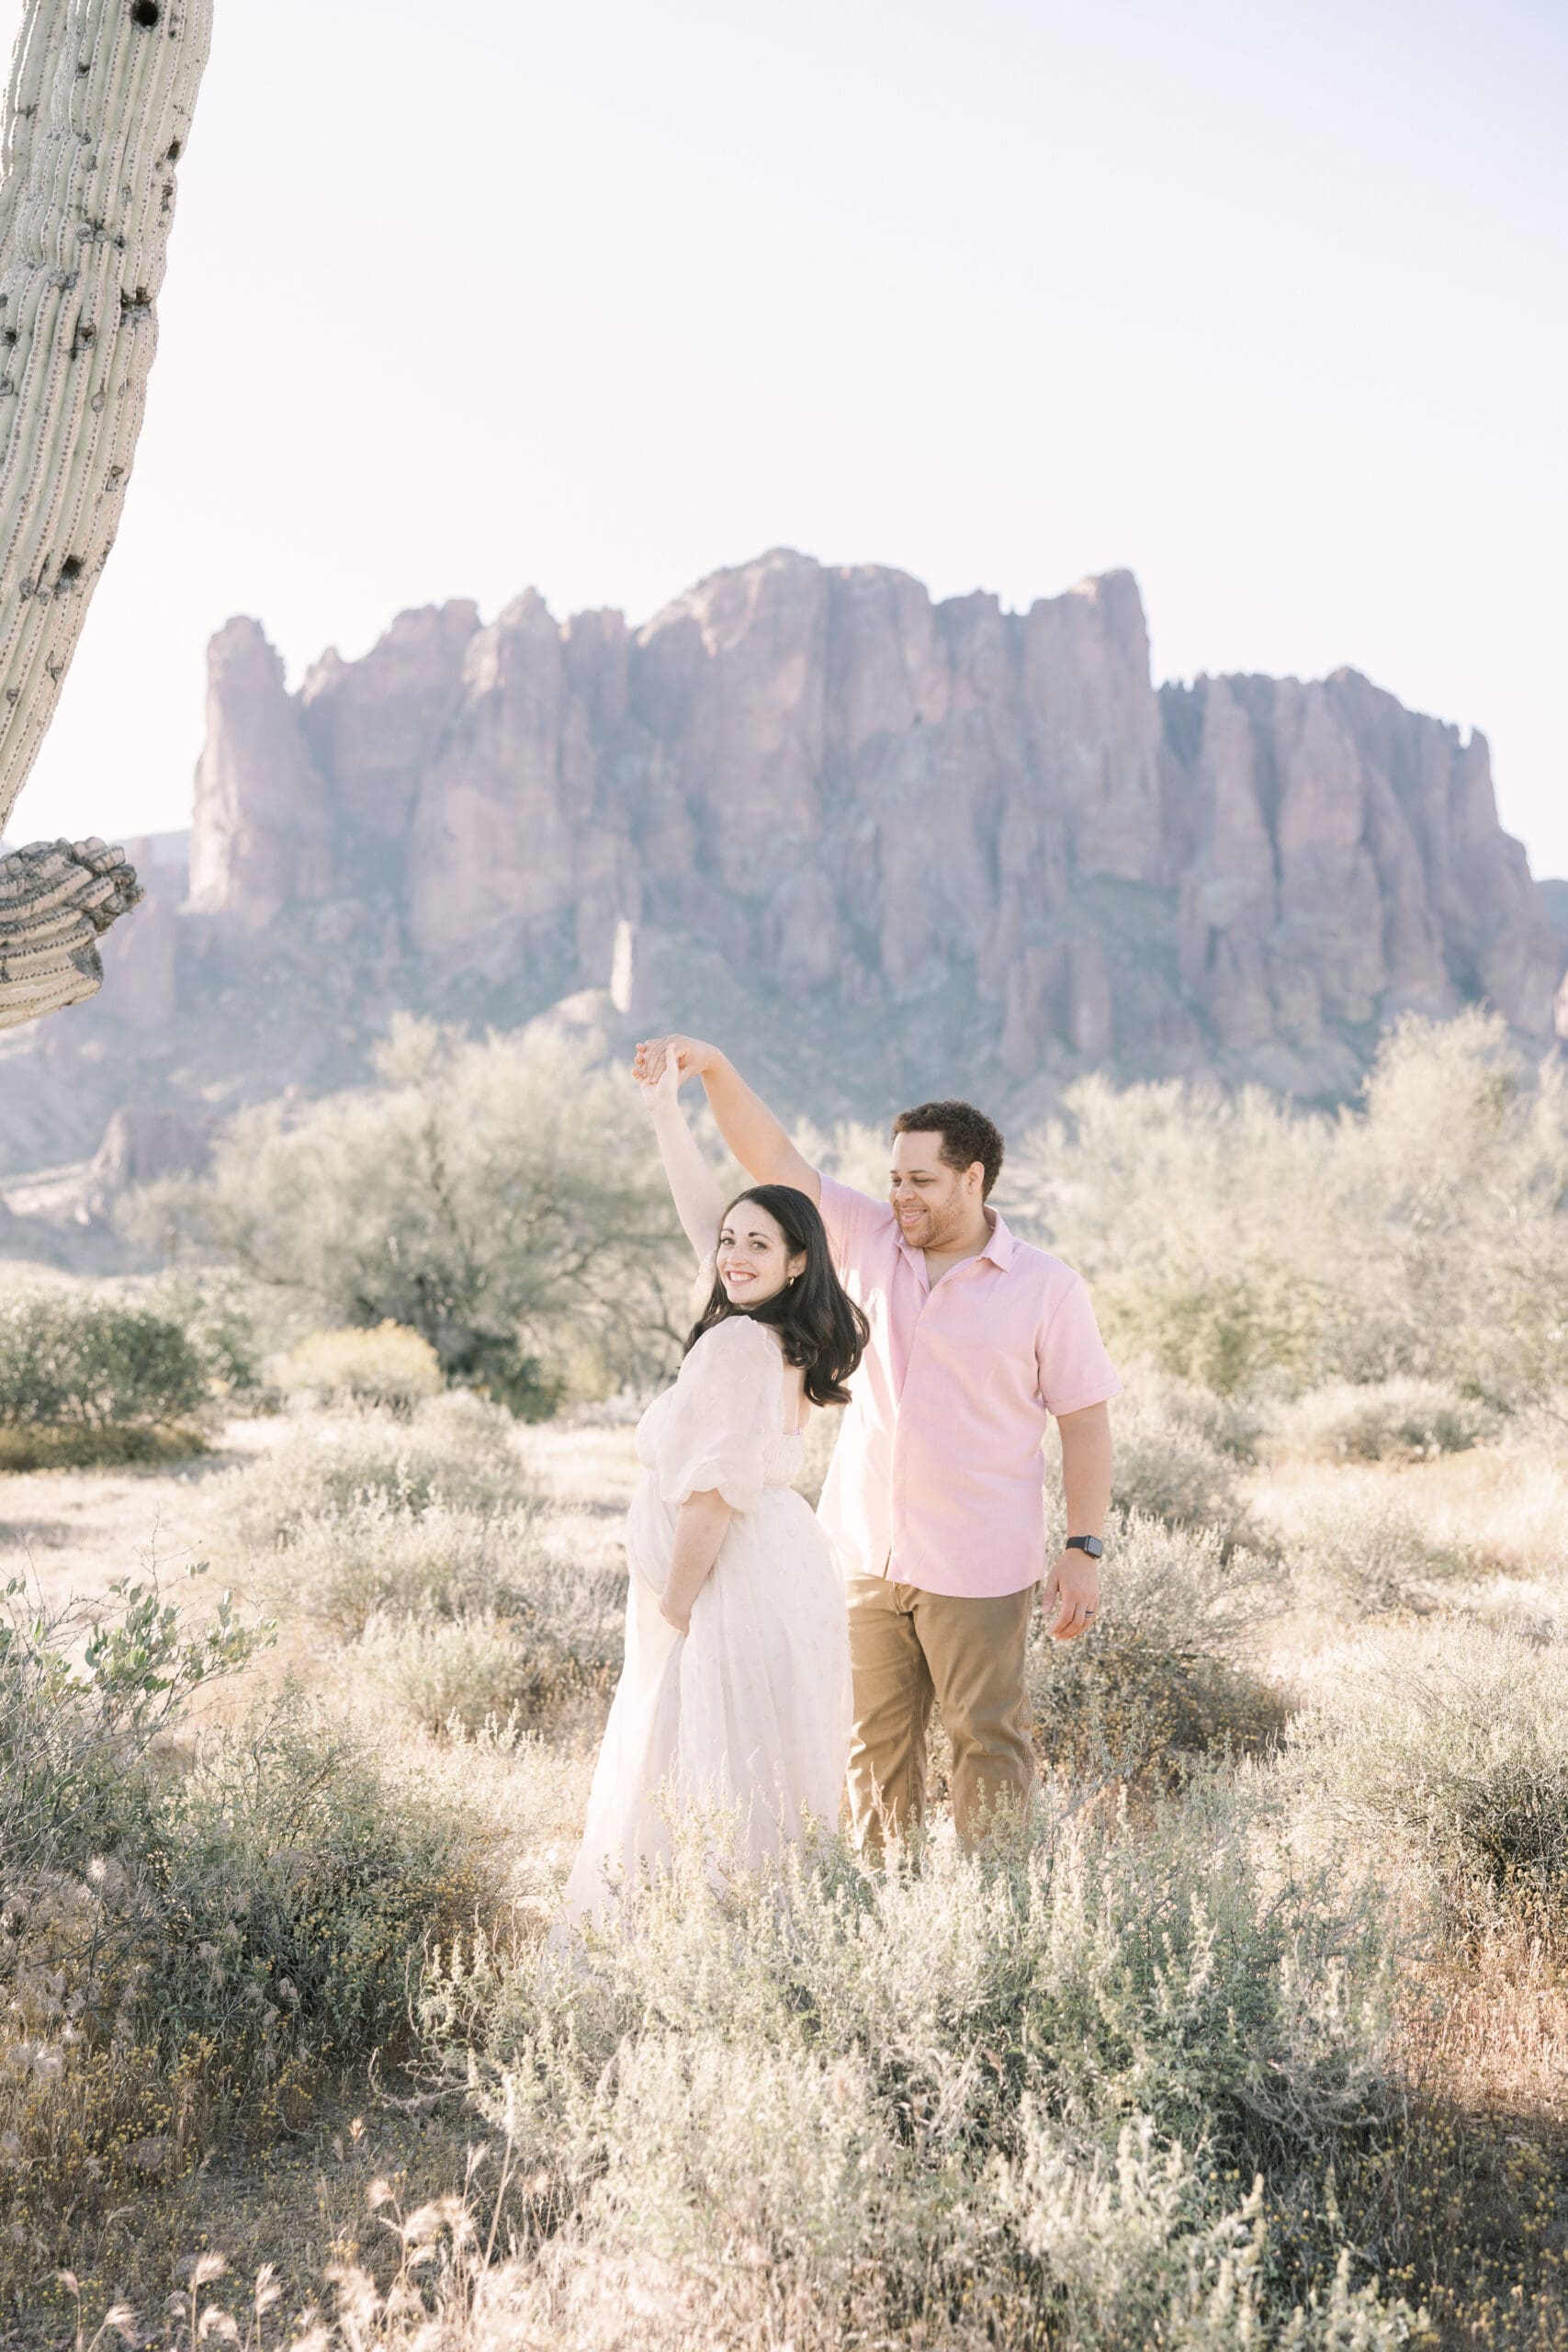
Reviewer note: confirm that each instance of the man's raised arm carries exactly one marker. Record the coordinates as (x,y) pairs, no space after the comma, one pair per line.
(745,1122)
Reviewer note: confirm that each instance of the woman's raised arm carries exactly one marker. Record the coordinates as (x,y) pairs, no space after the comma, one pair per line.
(699,1204)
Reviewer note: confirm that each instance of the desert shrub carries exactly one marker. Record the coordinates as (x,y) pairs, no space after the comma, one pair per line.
(181,1952)
(438,1669)
(1164,1675)
(1447,1745)
(300,1875)
(451,1612)
(871,2105)
(1362,1544)
(622,1409)
(388,1366)
(501,1197)
(1244,1245)
(1384,1421)
(821,2241)
(1231,1424)
(81,1708)
(352,1561)
(456,1451)
(92,1379)
(422,1544)
(1170,1462)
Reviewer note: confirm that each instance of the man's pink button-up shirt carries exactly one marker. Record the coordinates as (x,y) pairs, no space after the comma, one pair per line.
(938,1474)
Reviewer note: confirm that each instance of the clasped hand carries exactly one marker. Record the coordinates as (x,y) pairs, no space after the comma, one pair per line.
(692,1057)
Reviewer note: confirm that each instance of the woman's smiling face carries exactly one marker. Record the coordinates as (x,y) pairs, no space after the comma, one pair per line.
(753,1258)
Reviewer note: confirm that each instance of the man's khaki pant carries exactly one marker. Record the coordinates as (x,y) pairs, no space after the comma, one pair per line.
(907,1648)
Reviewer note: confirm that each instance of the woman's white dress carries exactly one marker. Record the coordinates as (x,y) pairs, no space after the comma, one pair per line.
(750,1710)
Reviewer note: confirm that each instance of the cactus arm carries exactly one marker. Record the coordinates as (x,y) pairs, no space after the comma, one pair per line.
(55,900)
(97,113)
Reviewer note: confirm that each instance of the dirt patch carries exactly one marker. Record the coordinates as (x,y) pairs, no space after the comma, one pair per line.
(73,1532)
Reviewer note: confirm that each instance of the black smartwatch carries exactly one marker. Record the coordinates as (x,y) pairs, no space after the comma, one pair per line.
(1089,1543)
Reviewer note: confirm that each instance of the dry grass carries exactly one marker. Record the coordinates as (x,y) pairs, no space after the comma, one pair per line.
(1504,1506)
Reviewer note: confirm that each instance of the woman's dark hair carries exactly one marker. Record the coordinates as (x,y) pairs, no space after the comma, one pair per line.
(820,1329)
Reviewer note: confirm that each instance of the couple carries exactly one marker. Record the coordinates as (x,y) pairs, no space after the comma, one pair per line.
(744,1687)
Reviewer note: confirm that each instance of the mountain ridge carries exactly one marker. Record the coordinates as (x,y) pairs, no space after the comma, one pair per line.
(898,842)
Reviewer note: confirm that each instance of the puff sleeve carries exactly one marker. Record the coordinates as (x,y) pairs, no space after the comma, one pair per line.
(722,1411)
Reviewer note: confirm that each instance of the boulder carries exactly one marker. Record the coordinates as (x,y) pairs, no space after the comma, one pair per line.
(140,1144)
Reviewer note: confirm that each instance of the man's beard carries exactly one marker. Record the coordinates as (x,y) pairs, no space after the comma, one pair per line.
(935,1228)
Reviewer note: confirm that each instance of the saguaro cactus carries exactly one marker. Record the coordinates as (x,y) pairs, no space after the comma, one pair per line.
(97,116)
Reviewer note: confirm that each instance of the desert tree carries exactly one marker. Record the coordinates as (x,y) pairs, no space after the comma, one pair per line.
(498,1195)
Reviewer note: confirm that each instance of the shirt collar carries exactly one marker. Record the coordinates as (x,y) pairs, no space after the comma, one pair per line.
(998,1250)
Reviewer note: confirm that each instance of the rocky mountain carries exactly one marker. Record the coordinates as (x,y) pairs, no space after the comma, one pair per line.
(881,843)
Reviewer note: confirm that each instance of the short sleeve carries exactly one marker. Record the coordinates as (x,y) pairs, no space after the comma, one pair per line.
(854,1220)
(1075,1370)
(725,1408)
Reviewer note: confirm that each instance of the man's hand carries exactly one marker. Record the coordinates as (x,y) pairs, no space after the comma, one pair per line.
(749,1128)
(696,1060)
(1071,1598)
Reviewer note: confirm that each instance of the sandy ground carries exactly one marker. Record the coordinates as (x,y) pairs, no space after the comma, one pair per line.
(74,1532)
(71,1533)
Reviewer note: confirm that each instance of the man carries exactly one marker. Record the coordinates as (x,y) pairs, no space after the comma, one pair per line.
(933,1502)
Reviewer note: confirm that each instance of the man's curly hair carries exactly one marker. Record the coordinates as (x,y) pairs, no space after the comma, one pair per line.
(967,1136)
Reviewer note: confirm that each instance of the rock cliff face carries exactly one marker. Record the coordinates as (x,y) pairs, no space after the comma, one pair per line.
(826,783)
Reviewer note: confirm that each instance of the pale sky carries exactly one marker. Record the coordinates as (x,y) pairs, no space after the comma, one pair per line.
(1267,303)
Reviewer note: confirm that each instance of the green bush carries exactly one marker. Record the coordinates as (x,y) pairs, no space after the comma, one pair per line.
(217,1314)
(388,1366)
(82,1706)
(86,1378)
(1165,1674)
(299,1878)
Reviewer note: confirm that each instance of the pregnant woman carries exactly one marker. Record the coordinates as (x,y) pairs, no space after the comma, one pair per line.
(735,1687)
